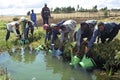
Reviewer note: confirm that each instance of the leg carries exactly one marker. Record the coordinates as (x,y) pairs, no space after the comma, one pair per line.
(7,35)
(54,36)
(47,20)
(46,36)
(43,20)
(32,30)
(49,36)
(26,33)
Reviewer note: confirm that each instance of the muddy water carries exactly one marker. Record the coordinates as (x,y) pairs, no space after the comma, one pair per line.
(36,65)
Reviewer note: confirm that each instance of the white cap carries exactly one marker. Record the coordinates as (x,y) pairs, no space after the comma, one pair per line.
(91,21)
(22,18)
(53,25)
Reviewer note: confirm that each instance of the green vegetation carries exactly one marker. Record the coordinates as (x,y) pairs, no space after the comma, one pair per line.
(2,25)
(107,56)
(13,41)
(15,19)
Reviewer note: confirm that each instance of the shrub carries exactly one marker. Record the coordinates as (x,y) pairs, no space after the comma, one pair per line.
(15,19)
(107,56)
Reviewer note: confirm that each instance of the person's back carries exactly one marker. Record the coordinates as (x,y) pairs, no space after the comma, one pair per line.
(69,25)
(109,26)
(12,27)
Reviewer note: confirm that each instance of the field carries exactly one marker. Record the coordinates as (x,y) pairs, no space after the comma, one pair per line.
(113,17)
(79,16)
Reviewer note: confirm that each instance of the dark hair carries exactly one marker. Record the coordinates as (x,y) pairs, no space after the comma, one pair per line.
(32,10)
(83,24)
(17,24)
(62,27)
(45,5)
(100,24)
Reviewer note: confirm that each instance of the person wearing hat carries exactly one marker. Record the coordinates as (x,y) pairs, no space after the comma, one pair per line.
(23,23)
(26,25)
(85,31)
(13,27)
(106,31)
(45,13)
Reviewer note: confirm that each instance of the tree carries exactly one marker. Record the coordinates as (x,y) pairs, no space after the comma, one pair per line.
(28,13)
(57,10)
(78,7)
(64,9)
(105,10)
(94,9)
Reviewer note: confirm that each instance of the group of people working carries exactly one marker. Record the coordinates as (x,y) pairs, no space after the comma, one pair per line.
(90,30)
(25,25)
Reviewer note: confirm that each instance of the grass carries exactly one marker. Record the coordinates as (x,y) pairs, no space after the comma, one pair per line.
(38,35)
(37,32)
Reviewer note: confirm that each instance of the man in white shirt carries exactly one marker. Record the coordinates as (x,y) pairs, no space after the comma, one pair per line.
(12,27)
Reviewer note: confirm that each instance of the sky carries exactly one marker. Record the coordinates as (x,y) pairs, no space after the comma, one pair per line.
(21,7)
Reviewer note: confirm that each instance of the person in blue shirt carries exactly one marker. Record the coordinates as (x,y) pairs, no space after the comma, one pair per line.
(85,31)
(106,31)
(33,18)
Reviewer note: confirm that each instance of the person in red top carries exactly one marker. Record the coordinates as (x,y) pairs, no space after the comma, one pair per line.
(45,13)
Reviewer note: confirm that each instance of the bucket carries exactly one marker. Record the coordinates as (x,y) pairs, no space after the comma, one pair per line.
(74,61)
(87,62)
(57,52)
(21,42)
(50,51)
(37,49)
(40,47)
(26,41)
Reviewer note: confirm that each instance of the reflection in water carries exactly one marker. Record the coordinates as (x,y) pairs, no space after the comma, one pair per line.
(68,73)
(26,64)
(24,55)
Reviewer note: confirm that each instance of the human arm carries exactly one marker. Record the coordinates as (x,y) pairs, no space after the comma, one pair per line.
(78,38)
(92,40)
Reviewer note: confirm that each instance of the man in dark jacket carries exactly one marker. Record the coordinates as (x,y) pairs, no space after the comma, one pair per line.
(45,13)
(106,31)
(85,31)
